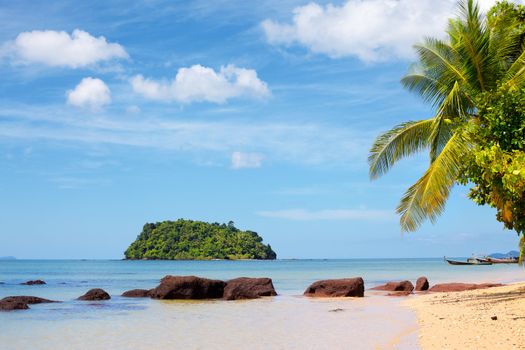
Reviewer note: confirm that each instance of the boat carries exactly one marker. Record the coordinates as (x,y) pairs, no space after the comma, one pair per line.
(470,261)
(509,260)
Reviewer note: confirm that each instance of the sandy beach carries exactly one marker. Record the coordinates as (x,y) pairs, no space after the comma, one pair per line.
(464,320)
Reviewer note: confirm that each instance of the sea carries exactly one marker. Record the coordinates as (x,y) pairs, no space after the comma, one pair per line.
(287,321)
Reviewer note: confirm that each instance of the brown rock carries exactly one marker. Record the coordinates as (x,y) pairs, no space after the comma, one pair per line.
(12,305)
(422,284)
(20,302)
(30,283)
(188,287)
(459,287)
(346,287)
(27,299)
(403,286)
(95,294)
(248,288)
(136,293)
(403,293)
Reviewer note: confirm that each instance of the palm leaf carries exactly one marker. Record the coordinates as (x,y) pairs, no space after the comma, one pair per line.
(427,197)
(399,142)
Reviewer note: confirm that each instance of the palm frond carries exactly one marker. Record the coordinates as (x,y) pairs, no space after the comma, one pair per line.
(428,87)
(442,60)
(427,197)
(399,142)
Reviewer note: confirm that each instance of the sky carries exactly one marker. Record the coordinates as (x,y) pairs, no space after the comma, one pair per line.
(114,114)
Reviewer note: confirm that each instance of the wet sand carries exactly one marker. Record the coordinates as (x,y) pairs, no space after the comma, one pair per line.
(463,320)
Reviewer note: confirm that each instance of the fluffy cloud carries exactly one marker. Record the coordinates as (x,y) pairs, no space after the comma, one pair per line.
(329,214)
(373,30)
(246,160)
(91,93)
(198,83)
(60,49)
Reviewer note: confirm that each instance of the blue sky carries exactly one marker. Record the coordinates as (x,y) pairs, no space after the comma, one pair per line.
(113,115)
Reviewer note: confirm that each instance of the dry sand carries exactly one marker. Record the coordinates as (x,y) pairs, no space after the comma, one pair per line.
(462,320)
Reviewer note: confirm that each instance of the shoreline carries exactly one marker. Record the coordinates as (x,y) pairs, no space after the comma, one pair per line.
(492,318)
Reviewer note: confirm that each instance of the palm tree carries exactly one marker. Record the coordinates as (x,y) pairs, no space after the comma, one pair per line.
(450,74)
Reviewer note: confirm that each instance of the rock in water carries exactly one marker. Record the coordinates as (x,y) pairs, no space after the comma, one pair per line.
(346,287)
(459,287)
(403,286)
(188,287)
(95,294)
(422,284)
(20,302)
(27,299)
(248,288)
(12,305)
(136,293)
(35,282)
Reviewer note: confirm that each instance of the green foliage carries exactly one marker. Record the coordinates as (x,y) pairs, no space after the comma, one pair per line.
(501,119)
(478,55)
(197,240)
(496,164)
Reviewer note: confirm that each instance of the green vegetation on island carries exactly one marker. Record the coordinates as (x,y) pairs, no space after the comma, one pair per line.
(475,80)
(197,240)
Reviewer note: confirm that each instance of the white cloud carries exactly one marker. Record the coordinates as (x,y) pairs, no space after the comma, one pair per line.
(133,109)
(329,214)
(60,49)
(90,92)
(309,144)
(246,160)
(373,30)
(198,83)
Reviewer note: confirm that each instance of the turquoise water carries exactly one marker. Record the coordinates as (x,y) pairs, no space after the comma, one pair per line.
(70,278)
(288,321)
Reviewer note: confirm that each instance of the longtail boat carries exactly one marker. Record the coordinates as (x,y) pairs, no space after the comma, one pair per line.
(509,260)
(470,261)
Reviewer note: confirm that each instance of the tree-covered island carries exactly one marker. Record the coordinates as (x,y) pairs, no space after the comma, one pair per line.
(197,240)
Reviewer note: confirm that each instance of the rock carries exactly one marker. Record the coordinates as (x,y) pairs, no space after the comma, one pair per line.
(422,284)
(402,293)
(494,318)
(248,288)
(95,294)
(30,283)
(12,305)
(403,286)
(136,293)
(20,302)
(345,287)
(188,287)
(27,299)
(459,287)
(336,310)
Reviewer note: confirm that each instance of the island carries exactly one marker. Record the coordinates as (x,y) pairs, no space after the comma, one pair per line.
(197,240)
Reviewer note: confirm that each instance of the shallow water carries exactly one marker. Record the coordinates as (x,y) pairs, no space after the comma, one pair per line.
(288,321)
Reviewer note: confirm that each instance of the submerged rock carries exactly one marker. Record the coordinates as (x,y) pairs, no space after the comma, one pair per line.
(6,305)
(402,286)
(403,293)
(28,299)
(248,288)
(21,302)
(95,294)
(188,287)
(422,284)
(136,293)
(345,287)
(459,287)
(33,282)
